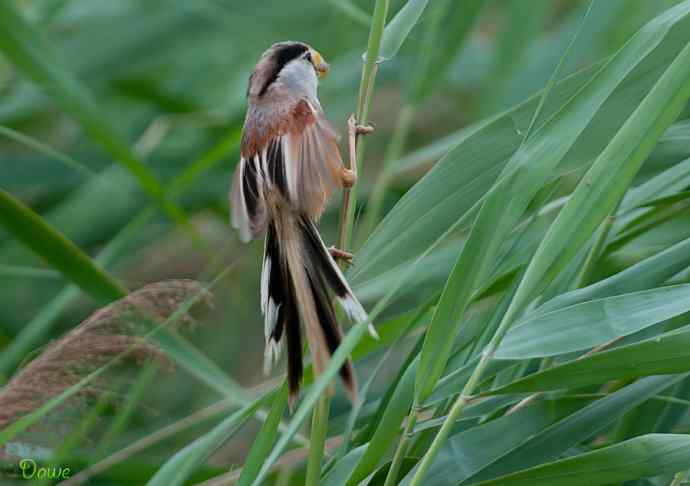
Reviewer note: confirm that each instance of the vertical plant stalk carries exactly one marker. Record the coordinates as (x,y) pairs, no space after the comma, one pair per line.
(401,451)
(679,478)
(317,440)
(459,405)
(517,304)
(430,65)
(366,88)
(319,425)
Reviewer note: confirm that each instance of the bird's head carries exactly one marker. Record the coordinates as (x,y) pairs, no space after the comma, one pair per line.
(294,63)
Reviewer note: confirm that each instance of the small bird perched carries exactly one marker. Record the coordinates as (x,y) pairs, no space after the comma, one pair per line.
(290,164)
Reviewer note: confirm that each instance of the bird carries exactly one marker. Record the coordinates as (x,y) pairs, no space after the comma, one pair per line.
(289,167)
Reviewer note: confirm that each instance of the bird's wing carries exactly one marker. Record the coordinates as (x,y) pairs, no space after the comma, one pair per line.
(311,159)
(293,153)
(247,203)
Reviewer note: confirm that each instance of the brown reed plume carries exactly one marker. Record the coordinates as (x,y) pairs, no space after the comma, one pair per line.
(105,335)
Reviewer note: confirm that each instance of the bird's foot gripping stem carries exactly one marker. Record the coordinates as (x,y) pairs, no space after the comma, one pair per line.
(339,254)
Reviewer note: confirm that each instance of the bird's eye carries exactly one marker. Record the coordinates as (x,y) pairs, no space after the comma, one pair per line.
(307,56)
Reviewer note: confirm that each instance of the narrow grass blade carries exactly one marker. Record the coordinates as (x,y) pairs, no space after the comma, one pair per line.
(400,26)
(558,438)
(180,466)
(661,355)
(200,366)
(667,200)
(669,182)
(592,323)
(48,151)
(344,468)
(533,435)
(265,439)
(135,394)
(357,408)
(649,455)
(31,272)
(648,273)
(344,349)
(57,250)
(482,409)
(388,426)
(472,449)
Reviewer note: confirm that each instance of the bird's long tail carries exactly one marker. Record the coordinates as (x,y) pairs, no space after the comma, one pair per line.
(298,278)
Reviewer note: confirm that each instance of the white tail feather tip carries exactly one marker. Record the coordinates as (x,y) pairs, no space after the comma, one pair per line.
(353,308)
(271,355)
(356,313)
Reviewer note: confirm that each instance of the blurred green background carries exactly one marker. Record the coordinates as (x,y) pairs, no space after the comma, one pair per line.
(169,76)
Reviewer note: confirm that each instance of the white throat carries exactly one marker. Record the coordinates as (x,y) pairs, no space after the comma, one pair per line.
(299,77)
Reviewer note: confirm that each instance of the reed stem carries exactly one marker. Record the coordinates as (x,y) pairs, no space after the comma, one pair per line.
(321,410)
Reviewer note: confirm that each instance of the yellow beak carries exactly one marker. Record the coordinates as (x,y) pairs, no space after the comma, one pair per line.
(320,64)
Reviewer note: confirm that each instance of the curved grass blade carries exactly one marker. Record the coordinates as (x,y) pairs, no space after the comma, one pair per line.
(344,468)
(42,148)
(400,26)
(666,183)
(200,366)
(265,439)
(661,355)
(650,272)
(180,466)
(533,435)
(388,426)
(666,200)
(592,323)
(645,456)
(57,250)
(470,450)
(582,424)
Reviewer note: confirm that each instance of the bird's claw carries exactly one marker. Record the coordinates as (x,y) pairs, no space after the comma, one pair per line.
(364,129)
(349,178)
(339,254)
(358,129)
